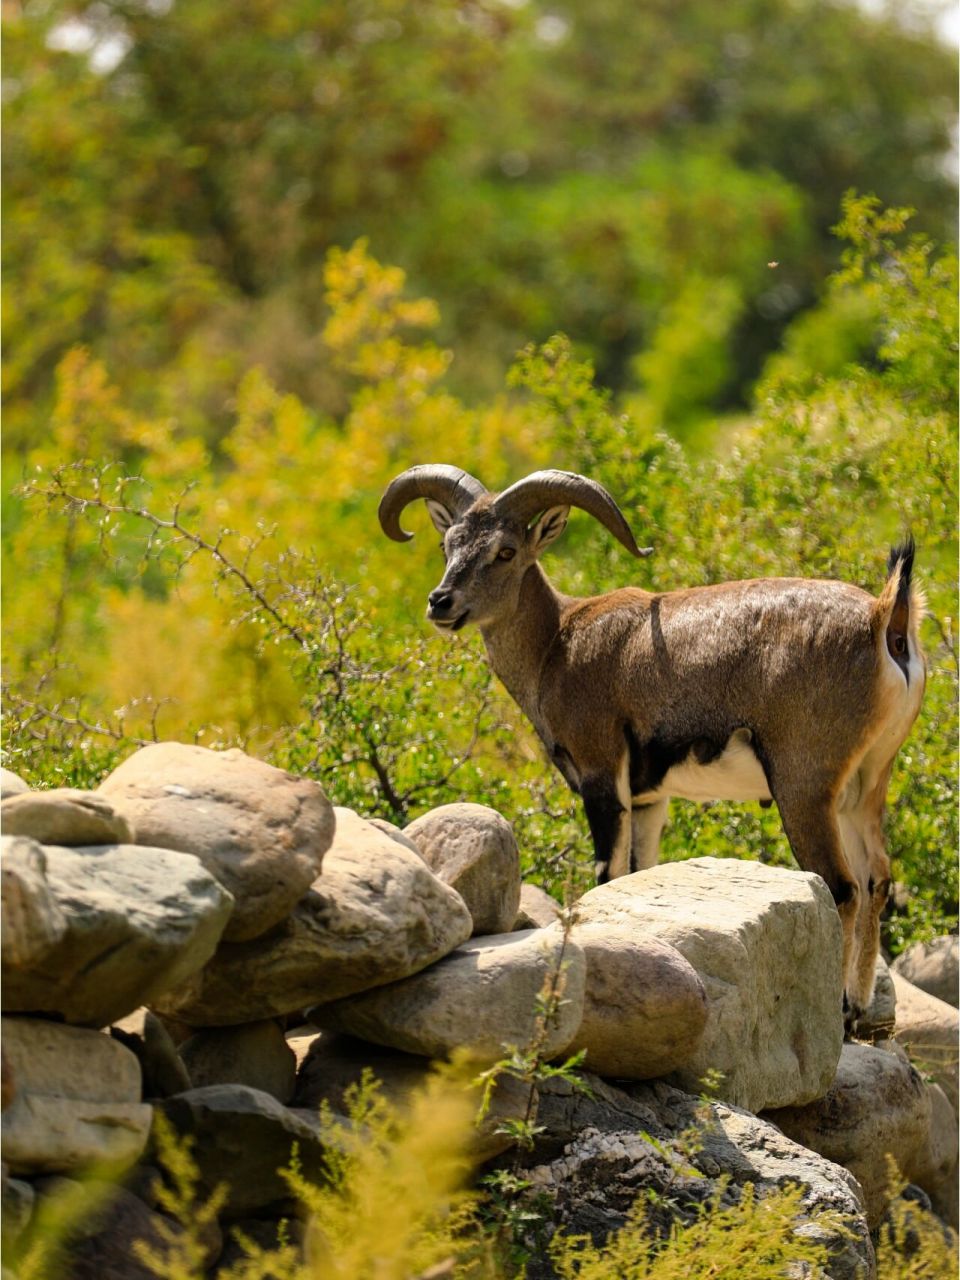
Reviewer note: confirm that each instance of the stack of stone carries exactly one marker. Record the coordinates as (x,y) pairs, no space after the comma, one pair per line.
(205,937)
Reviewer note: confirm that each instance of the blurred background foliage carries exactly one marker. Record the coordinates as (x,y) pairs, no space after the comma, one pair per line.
(261,256)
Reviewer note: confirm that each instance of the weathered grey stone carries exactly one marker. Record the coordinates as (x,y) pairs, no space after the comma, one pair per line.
(473,848)
(161,1067)
(935,1169)
(537,909)
(877,1106)
(478,999)
(933,967)
(877,1020)
(16,1206)
(101,1243)
(32,919)
(261,831)
(334,1063)
(929,1030)
(243,1137)
(376,914)
(644,1009)
(136,921)
(767,945)
(11,784)
(64,816)
(596,1154)
(78,1099)
(388,828)
(254,1054)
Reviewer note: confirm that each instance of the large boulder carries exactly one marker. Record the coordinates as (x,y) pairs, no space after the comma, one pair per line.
(877,1106)
(254,1054)
(77,1101)
(595,1155)
(243,1138)
(929,1030)
(934,967)
(473,849)
(103,929)
(935,1168)
(64,816)
(644,1009)
(766,944)
(480,999)
(377,913)
(261,831)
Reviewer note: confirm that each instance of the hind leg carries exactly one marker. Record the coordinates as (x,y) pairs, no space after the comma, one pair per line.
(646,824)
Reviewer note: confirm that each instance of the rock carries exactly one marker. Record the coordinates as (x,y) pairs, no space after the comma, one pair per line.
(243,1137)
(877,1020)
(11,784)
(375,915)
(933,967)
(78,1099)
(135,921)
(766,944)
(537,909)
(66,817)
(161,1066)
(479,999)
(388,829)
(16,1207)
(644,1009)
(266,1234)
(596,1154)
(254,1054)
(929,1030)
(473,849)
(262,832)
(334,1063)
(101,1241)
(876,1106)
(32,920)
(935,1169)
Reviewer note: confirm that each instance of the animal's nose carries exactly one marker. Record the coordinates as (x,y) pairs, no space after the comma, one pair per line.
(440,600)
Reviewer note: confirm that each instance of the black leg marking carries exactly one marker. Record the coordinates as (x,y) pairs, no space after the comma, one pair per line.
(605,816)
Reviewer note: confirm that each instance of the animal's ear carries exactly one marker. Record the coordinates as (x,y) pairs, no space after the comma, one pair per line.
(439,514)
(548,528)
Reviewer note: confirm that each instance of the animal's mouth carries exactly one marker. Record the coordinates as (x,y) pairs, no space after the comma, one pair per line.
(452,624)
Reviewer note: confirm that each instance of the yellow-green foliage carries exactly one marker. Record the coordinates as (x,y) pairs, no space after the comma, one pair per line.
(756,1239)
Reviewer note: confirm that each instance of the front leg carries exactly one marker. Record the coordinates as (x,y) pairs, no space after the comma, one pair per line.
(606,802)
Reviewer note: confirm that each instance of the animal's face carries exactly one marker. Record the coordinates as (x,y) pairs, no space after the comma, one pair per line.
(487,557)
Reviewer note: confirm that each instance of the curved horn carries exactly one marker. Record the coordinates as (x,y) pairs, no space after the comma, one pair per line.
(449,485)
(543,489)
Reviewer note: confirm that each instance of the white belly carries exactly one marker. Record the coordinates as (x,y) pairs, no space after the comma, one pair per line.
(735,775)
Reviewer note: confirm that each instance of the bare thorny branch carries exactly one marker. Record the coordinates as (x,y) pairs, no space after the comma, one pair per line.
(173,529)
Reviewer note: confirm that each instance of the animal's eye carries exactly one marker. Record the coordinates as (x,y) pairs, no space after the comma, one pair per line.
(506,553)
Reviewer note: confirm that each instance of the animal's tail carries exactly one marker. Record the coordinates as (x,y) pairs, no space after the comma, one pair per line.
(899,607)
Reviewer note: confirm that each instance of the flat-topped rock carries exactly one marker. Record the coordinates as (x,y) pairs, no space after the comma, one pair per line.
(261,831)
(766,944)
(934,967)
